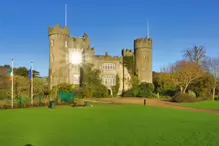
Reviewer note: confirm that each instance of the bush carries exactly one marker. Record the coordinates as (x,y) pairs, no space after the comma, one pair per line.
(149,86)
(216,98)
(136,91)
(141,91)
(191,93)
(65,88)
(100,92)
(179,98)
(4,94)
(78,92)
(168,91)
(146,93)
(128,93)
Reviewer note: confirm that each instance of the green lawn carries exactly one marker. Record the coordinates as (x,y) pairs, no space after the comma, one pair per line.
(108,125)
(204,105)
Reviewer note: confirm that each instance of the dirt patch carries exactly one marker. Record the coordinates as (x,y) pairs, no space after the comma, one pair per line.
(151,102)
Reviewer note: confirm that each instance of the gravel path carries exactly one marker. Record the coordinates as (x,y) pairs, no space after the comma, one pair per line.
(151,102)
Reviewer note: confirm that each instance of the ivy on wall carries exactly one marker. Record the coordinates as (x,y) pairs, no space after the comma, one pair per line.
(115,89)
(129,63)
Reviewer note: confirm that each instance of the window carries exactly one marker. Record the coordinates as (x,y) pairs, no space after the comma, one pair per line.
(114,67)
(109,80)
(109,66)
(66,44)
(52,43)
(53,58)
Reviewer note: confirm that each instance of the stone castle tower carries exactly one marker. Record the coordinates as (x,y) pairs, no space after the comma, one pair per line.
(143,58)
(58,37)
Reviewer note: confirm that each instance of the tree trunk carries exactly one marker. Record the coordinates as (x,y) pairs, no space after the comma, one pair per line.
(213,94)
(184,90)
(181,89)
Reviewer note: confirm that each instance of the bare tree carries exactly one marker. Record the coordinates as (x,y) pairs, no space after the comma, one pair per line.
(212,66)
(196,54)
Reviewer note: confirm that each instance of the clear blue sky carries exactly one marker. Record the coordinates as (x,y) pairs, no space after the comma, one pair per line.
(112,25)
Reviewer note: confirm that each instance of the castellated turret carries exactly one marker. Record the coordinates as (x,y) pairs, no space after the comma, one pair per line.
(58,37)
(143,56)
(127,52)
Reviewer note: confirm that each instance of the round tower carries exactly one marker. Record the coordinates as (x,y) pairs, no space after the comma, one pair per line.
(143,53)
(58,38)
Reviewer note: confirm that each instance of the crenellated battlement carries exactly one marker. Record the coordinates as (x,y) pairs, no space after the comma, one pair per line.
(58,30)
(92,51)
(127,52)
(143,43)
(111,58)
(84,39)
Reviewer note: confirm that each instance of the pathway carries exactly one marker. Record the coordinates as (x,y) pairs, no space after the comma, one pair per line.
(151,102)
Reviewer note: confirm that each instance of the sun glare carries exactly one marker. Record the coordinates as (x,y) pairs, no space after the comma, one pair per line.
(76,57)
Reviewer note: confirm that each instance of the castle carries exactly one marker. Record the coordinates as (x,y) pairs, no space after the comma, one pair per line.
(66,57)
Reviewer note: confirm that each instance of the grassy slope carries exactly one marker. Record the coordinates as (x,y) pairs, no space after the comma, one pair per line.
(107,125)
(204,105)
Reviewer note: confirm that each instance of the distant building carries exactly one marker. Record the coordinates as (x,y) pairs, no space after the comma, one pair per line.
(65,52)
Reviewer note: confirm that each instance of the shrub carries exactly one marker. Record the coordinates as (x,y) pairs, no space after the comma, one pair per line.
(168,91)
(149,86)
(136,91)
(6,106)
(65,88)
(4,94)
(100,92)
(146,90)
(78,92)
(128,93)
(191,93)
(146,93)
(216,98)
(183,98)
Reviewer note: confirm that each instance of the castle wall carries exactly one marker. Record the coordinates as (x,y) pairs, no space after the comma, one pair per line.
(99,62)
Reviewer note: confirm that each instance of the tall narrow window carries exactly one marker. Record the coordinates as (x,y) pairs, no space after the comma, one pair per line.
(52,43)
(66,44)
(53,58)
(114,67)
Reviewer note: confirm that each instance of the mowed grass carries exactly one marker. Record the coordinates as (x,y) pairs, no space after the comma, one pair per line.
(211,105)
(108,125)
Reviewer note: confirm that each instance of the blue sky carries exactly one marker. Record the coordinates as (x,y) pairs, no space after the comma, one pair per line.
(111,25)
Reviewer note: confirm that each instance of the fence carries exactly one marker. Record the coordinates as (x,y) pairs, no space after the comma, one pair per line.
(38,101)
